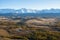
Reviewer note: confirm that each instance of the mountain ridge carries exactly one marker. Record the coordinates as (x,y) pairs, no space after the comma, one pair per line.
(24,10)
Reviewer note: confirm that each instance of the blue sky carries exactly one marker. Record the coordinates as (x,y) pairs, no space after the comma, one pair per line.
(29,4)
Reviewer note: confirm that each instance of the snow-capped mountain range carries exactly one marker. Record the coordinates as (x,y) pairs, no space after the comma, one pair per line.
(23,10)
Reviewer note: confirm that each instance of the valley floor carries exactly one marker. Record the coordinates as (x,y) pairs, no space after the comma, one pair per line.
(29,28)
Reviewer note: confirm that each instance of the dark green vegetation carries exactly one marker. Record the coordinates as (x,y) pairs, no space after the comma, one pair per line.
(29,29)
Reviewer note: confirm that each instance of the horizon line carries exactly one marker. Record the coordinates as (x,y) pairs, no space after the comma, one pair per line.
(31,8)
